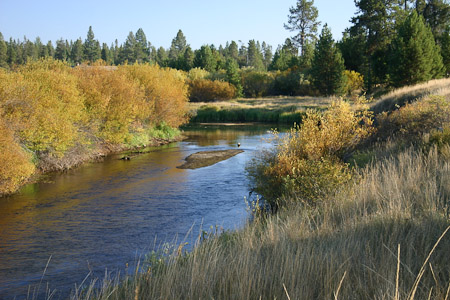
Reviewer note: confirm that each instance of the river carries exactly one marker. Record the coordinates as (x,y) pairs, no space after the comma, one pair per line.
(103,216)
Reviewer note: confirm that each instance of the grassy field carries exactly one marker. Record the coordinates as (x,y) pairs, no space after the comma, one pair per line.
(383,235)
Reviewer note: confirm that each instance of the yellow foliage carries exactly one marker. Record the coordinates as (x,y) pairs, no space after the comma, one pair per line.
(419,117)
(306,163)
(197,73)
(114,104)
(165,92)
(42,103)
(330,133)
(354,82)
(207,90)
(15,164)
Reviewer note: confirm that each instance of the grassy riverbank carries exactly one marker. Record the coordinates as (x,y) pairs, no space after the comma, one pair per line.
(381,235)
(283,110)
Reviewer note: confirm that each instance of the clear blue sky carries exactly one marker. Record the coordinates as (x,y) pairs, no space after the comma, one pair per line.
(202,21)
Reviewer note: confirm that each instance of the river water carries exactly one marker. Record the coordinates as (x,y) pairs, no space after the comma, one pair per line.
(102,216)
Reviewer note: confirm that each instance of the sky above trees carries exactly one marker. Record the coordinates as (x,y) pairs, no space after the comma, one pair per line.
(202,21)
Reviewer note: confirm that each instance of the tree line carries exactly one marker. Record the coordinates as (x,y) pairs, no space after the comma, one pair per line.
(390,42)
(137,48)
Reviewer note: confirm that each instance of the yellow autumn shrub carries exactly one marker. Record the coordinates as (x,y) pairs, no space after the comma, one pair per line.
(15,163)
(165,92)
(202,90)
(354,82)
(42,103)
(411,120)
(115,104)
(306,164)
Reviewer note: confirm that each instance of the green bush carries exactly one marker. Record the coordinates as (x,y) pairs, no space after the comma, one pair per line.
(256,84)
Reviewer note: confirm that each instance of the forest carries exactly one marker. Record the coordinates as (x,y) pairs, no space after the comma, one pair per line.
(390,43)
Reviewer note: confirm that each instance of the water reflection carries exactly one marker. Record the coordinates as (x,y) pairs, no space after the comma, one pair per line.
(104,215)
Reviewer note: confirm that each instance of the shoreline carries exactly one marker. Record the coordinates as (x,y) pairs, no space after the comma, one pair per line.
(78,157)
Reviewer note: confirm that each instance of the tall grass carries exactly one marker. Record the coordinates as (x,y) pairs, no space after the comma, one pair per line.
(407,94)
(344,249)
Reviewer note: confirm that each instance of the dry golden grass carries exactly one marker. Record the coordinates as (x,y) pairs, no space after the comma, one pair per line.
(440,87)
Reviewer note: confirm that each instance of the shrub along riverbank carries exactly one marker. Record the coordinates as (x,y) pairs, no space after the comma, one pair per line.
(53,117)
(362,213)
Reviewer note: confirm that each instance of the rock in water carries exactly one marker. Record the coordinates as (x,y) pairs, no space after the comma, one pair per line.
(207,158)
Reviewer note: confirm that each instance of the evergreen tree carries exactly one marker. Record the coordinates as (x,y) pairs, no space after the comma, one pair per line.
(91,47)
(162,57)
(3,53)
(76,53)
(353,49)
(12,52)
(188,59)
(204,59)
(376,25)
(267,55)
(233,76)
(243,56)
(29,51)
(437,16)
(50,49)
(39,47)
(107,54)
(303,19)
(142,47)
(232,51)
(445,50)
(255,58)
(415,55)
(178,46)
(128,52)
(327,66)
(305,61)
(115,52)
(61,50)
(153,54)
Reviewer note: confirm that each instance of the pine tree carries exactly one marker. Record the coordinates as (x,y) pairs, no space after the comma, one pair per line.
(445,50)
(415,55)
(76,53)
(437,15)
(3,53)
(91,47)
(106,54)
(61,50)
(128,51)
(232,51)
(375,23)
(162,57)
(233,76)
(188,59)
(142,47)
(204,59)
(327,66)
(255,58)
(178,46)
(267,55)
(29,51)
(12,52)
(303,19)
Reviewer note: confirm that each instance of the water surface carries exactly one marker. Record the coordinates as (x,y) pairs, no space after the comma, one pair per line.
(104,215)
